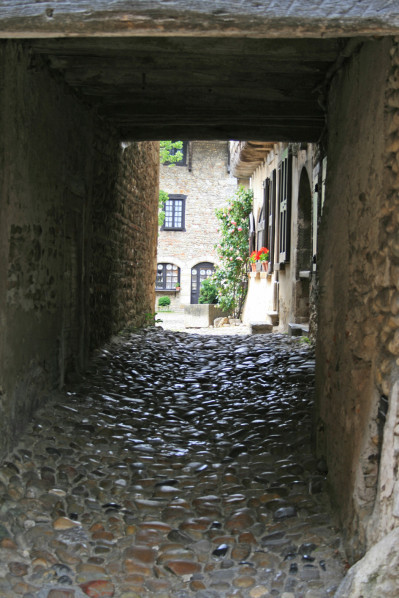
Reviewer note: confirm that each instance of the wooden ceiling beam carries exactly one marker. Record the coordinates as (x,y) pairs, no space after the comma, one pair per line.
(151,88)
(127,64)
(274,49)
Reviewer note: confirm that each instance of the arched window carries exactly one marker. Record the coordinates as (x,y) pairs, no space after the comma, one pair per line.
(168,276)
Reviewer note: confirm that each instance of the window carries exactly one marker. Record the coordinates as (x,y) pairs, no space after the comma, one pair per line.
(175,209)
(284,200)
(183,150)
(168,275)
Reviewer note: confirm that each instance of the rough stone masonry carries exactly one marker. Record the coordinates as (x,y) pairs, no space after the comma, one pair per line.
(78,234)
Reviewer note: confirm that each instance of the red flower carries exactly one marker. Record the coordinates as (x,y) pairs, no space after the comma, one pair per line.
(253,257)
(263,254)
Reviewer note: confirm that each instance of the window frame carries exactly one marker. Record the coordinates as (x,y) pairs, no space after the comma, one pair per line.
(176,197)
(165,288)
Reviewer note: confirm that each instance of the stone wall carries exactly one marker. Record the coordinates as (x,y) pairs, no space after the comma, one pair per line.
(357,345)
(78,230)
(125,224)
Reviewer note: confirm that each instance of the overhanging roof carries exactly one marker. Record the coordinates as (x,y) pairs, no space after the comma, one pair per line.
(246,156)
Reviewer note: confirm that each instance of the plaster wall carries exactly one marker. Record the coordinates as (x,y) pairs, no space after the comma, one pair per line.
(357,344)
(63,230)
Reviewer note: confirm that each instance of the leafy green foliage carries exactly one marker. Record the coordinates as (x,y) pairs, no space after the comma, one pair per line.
(165,149)
(163,197)
(208,292)
(230,276)
(151,319)
(164,301)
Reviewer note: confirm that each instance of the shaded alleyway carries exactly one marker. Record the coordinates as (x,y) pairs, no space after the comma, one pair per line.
(179,467)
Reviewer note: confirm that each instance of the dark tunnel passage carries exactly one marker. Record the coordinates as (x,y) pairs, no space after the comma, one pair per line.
(80,114)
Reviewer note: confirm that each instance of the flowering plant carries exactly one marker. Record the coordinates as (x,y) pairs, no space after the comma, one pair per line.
(263,254)
(253,257)
(230,276)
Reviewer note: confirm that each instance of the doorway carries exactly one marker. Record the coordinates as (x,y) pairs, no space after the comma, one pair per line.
(199,273)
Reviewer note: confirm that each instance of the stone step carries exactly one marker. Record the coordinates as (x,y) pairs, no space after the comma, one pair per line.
(274,318)
(260,328)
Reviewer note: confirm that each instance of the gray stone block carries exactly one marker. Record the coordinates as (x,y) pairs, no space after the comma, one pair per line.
(261,328)
(295,330)
(201,316)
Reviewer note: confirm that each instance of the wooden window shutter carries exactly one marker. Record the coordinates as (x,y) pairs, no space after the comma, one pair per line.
(266,209)
(251,233)
(269,210)
(272,216)
(262,222)
(284,202)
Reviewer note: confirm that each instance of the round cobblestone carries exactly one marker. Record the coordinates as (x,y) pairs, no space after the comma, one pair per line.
(179,466)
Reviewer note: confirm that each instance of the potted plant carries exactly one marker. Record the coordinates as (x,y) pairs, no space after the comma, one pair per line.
(178,287)
(263,257)
(253,258)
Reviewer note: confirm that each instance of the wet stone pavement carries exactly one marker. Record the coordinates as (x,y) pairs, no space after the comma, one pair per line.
(180,466)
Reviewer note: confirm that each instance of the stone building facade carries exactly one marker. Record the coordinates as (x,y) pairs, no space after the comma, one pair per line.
(197,186)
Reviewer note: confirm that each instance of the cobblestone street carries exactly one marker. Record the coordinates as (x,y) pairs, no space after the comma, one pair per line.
(179,466)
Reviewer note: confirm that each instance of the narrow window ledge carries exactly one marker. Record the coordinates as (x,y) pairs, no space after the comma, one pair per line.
(169,291)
